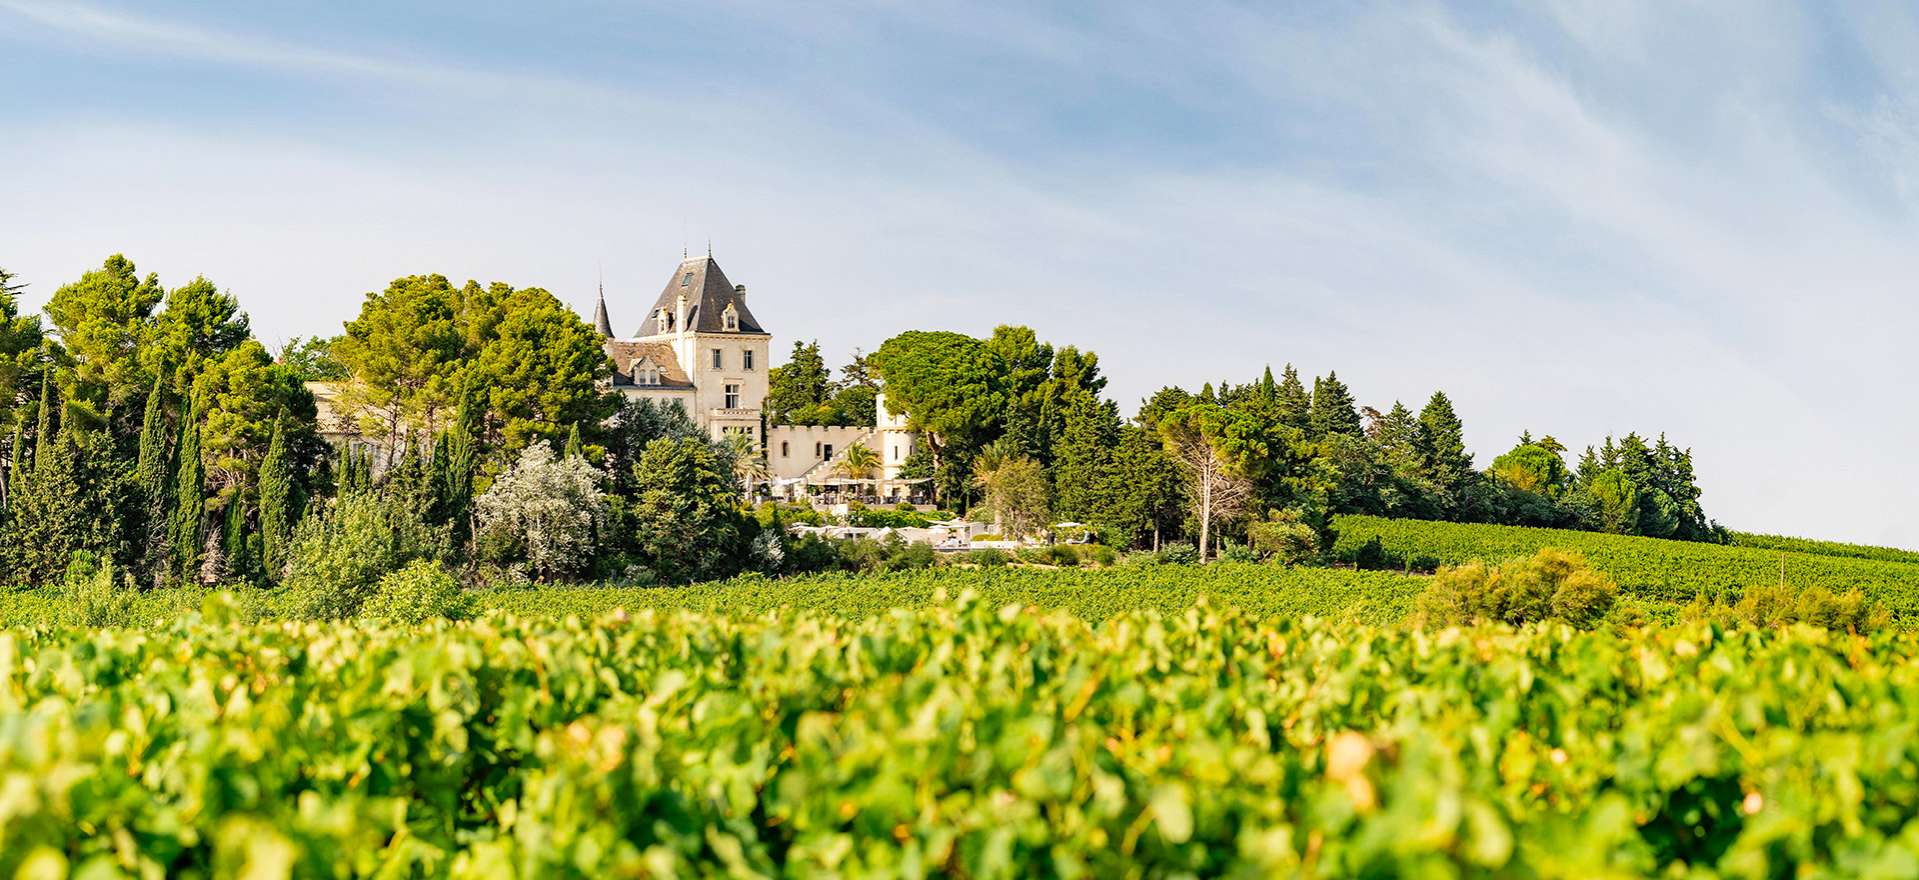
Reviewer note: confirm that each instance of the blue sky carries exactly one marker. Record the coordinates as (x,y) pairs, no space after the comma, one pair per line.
(1575,217)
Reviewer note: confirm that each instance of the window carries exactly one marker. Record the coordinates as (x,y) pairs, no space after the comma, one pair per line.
(746,359)
(732,397)
(730,319)
(648,375)
(666,323)
(896,452)
(828,453)
(816,449)
(687,281)
(785,452)
(719,359)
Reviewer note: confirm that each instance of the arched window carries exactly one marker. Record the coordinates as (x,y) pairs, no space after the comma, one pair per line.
(730,319)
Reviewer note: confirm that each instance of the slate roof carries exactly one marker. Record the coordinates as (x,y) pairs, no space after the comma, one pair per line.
(628,355)
(708,293)
(600,322)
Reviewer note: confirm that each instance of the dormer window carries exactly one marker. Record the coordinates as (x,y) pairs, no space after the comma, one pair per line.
(730,319)
(646,372)
(686,281)
(666,322)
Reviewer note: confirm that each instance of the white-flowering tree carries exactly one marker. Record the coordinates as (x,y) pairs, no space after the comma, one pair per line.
(548,507)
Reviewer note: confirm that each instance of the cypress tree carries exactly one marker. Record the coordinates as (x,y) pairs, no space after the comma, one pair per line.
(152,473)
(43,430)
(1295,405)
(277,515)
(455,491)
(16,479)
(189,499)
(236,541)
(574,448)
(1442,446)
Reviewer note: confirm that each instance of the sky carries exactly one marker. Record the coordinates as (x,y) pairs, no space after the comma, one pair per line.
(1576,217)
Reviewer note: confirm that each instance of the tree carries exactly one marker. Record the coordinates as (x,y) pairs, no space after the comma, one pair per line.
(1295,405)
(153,471)
(1016,493)
(857,400)
(548,508)
(21,354)
(1083,456)
(198,325)
(537,370)
(1143,495)
(104,319)
(279,504)
(952,389)
(685,522)
(749,462)
(1531,467)
(311,359)
(189,499)
(800,391)
(242,394)
(1442,448)
(857,462)
(1332,409)
(1204,440)
(405,352)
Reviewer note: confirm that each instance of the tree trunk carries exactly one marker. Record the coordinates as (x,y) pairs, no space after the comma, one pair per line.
(1205,517)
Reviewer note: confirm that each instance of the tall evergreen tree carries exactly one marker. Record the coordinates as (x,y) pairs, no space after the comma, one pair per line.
(574,447)
(1333,411)
(1295,405)
(278,510)
(189,499)
(16,477)
(44,428)
(238,544)
(153,472)
(1442,448)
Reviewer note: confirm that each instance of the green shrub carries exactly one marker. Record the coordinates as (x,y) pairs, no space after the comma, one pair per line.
(420,592)
(1284,538)
(1550,585)
(1034,555)
(913,556)
(1177,553)
(1101,554)
(1064,555)
(988,557)
(1774,606)
(1235,552)
(339,555)
(92,595)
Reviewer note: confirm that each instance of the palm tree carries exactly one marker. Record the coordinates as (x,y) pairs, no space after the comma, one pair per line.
(749,466)
(857,462)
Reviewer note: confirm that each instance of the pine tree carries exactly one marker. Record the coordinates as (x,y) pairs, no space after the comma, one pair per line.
(189,499)
(1442,447)
(1333,411)
(1295,405)
(277,513)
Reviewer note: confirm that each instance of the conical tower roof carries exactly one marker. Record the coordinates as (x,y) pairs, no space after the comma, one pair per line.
(708,294)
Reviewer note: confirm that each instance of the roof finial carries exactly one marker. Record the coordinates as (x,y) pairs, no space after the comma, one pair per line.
(709,247)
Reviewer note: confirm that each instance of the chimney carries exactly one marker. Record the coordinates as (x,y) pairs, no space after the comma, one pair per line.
(739,292)
(679,320)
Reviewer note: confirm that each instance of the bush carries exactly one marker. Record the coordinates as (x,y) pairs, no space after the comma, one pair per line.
(547,509)
(1034,555)
(1371,556)
(988,557)
(1102,554)
(1774,606)
(339,555)
(1177,554)
(912,556)
(1233,552)
(1550,585)
(415,594)
(1063,555)
(1285,538)
(92,595)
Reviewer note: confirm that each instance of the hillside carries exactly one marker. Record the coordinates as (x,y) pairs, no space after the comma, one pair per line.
(1651,568)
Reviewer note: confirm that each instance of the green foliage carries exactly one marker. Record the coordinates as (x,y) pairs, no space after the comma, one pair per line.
(987,557)
(420,592)
(1774,606)
(103,320)
(1284,537)
(1552,585)
(1647,568)
(684,521)
(340,553)
(1821,548)
(22,358)
(537,372)
(311,360)
(279,504)
(1018,497)
(189,500)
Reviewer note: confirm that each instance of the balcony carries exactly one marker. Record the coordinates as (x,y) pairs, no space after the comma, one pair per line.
(733,414)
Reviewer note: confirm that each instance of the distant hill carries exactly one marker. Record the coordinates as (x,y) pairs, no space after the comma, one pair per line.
(1651,568)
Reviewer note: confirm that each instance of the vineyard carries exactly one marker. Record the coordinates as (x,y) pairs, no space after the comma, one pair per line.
(963,739)
(1093,595)
(1649,568)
